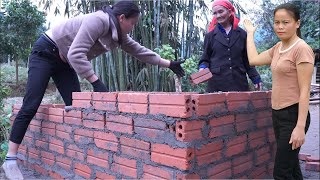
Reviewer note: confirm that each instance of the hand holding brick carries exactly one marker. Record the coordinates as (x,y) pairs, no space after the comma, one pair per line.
(201,76)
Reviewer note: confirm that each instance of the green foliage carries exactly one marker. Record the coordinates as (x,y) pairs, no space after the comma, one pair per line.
(8,73)
(4,120)
(19,28)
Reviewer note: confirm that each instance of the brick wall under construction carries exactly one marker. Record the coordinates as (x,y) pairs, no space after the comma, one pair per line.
(150,135)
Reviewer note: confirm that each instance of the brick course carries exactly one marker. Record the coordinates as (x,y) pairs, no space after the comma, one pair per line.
(143,135)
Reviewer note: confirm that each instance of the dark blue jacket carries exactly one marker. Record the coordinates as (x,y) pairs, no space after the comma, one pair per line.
(226,56)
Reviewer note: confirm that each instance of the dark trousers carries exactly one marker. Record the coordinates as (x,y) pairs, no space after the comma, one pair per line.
(44,62)
(286,164)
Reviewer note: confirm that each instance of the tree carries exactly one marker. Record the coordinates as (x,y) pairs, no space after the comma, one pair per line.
(19,28)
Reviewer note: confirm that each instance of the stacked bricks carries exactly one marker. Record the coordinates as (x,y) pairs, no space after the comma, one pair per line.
(312,162)
(144,135)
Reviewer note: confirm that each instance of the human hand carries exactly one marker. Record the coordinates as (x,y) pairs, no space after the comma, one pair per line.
(98,86)
(175,66)
(297,137)
(258,86)
(249,26)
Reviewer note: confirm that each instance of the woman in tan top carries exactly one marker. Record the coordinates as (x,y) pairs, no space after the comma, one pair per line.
(65,51)
(291,63)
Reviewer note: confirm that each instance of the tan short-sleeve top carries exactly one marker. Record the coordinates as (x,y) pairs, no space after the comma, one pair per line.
(285,87)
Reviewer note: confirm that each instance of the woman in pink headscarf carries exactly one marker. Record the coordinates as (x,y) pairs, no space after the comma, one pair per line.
(225,52)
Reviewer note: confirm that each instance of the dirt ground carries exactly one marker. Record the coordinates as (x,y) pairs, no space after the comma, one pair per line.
(311,145)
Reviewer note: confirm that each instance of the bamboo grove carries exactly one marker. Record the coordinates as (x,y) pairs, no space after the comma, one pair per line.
(169,27)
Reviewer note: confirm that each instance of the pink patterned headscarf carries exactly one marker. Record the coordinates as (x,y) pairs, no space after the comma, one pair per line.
(229,6)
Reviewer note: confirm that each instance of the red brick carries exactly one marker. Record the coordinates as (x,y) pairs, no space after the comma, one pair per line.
(201,76)
(245,126)
(170,99)
(156,172)
(237,169)
(93,124)
(263,158)
(222,121)
(82,170)
(227,129)
(73,113)
(35,122)
(257,172)
(209,153)
(105,96)
(219,171)
(102,175)
(236,96)
(189,130)
(244,118)
(257,138)
(271,137)
(242,159)
(104,106)
(40,170)
(43,144)
(119,123)
(125,166)
(199,73)
(134,143)
(136,148)
(203,110)
(98,162)
(73,151)
(150,123)
(47,155)
(93,116)
(313,159)
(56,148)
(171,110)
(34,128)
(106,141)
(128,97)
(42,116)
(166,155)
(49,125)
(48,131)
(55,175)
(150,133)
(73,120)
(82,95)
(82,139)
(260,103)
(64,162)
(133,108)
(313,166)
(259,99)
(58,119)
(81,103)
(33,153)
(56,111)
(208,99)
(65,128)
(303,156)
(235,149)
(83,132)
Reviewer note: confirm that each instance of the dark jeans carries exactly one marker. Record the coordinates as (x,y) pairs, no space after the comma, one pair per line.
(286,164)
(44,62)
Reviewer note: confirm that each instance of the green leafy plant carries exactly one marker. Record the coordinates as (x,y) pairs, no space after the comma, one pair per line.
(4,120)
